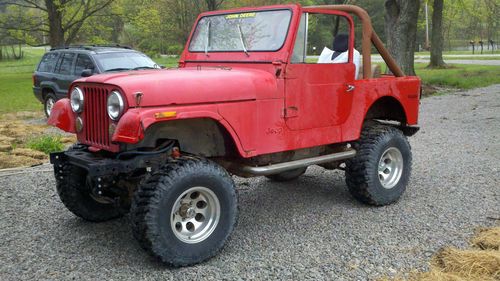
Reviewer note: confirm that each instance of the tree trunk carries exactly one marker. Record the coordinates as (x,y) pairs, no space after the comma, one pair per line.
(213,5)
(401,31)
(437,36)
(56,31)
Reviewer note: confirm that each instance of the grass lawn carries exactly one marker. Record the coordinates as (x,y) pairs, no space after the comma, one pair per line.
(477,52)
(16,83)
(460,76)
(471,58)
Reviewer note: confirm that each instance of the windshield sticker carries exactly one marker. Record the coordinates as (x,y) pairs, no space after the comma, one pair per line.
(240,16)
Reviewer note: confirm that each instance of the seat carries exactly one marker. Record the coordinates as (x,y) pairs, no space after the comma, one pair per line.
(340,44)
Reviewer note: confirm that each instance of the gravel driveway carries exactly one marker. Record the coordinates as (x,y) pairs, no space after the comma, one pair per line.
(307,229)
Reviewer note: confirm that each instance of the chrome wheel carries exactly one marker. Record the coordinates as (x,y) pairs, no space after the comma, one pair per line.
(195,215)
(49,104)
(390,167)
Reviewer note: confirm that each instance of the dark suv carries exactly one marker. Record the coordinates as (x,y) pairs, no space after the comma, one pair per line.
(61,66)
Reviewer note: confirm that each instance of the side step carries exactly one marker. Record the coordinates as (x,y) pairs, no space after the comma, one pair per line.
(282,167)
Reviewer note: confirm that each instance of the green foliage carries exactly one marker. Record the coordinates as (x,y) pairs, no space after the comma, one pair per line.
(175,49)
(46,144)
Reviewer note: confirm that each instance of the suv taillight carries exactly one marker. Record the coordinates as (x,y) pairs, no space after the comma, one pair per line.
(34,80)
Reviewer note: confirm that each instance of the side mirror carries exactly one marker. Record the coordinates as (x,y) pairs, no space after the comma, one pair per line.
(87,73)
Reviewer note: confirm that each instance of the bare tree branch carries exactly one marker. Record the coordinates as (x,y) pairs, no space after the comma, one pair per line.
(28,4)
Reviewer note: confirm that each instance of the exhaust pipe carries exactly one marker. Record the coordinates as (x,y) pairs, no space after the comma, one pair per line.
(286,166)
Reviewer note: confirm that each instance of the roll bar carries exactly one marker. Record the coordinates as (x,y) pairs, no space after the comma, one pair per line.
(369,36)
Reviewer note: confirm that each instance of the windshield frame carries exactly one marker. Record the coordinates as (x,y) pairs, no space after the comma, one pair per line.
(285,38)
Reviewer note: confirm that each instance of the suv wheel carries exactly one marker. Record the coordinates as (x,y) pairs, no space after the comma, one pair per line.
(380,171)
(184,213)
(288,175)
(48,103)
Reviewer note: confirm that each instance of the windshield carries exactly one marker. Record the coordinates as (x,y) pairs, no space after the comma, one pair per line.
(254,31)
(124,61)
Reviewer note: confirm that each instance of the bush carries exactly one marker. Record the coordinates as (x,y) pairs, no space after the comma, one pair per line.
(46,144)
(175,49)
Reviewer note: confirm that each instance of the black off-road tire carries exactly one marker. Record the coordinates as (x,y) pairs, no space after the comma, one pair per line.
(362,171)
(49,98)
(153,206)
(74,192)
(288,175)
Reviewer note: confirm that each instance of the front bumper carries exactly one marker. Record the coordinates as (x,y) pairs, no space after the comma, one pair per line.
(99,165)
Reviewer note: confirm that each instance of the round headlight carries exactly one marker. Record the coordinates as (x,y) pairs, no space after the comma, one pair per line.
(115,105)
(77,100)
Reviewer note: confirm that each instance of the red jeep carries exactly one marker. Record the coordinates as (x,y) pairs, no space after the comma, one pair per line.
(248,98)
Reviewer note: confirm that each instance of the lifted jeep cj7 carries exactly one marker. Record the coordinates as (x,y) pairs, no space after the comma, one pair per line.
(247,99)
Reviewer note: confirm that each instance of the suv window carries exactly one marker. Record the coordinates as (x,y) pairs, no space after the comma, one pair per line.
(123,61)
(48,62)
(83,62)
(65,62)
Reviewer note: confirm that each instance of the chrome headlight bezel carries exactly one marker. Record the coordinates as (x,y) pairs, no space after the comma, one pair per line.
(77,100)
(115,105)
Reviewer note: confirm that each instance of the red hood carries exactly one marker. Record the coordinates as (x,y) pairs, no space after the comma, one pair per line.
(190,85)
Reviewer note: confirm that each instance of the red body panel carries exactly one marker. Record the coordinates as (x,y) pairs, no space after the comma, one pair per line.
(266,104)
(62,116)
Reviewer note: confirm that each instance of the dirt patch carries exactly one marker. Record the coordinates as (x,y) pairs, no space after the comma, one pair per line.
(29,153)
(8,160)
(430,90)
(16,129)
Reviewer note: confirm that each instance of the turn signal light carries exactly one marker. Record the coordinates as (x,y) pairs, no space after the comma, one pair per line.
(165,114)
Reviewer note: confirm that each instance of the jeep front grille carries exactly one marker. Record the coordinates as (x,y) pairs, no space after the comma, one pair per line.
(95,118)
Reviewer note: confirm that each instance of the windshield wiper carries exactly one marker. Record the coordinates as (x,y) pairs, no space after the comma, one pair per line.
(117,69)
(243,41)
(207,42)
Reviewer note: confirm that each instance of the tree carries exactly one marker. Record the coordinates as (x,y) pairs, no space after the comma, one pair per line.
(63,18)
(213,5)
(401,30)
(437,36)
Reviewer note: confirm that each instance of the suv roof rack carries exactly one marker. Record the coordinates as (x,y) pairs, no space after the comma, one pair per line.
(90,47)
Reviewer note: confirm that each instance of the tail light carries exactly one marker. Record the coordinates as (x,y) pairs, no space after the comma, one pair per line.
(34,79)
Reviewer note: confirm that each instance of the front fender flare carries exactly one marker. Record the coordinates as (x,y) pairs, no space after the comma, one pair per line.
(62,116)
(132,125)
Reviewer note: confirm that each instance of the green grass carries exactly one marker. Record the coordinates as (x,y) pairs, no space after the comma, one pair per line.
(16,83)
(471,58)
(485,52)
(460,76)
(167,61)
(46,144)
(447,58)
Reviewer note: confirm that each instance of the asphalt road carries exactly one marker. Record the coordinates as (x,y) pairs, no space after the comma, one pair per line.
(307,229)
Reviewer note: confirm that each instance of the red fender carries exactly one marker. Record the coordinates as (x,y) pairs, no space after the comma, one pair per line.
(133,124)
(62,116)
